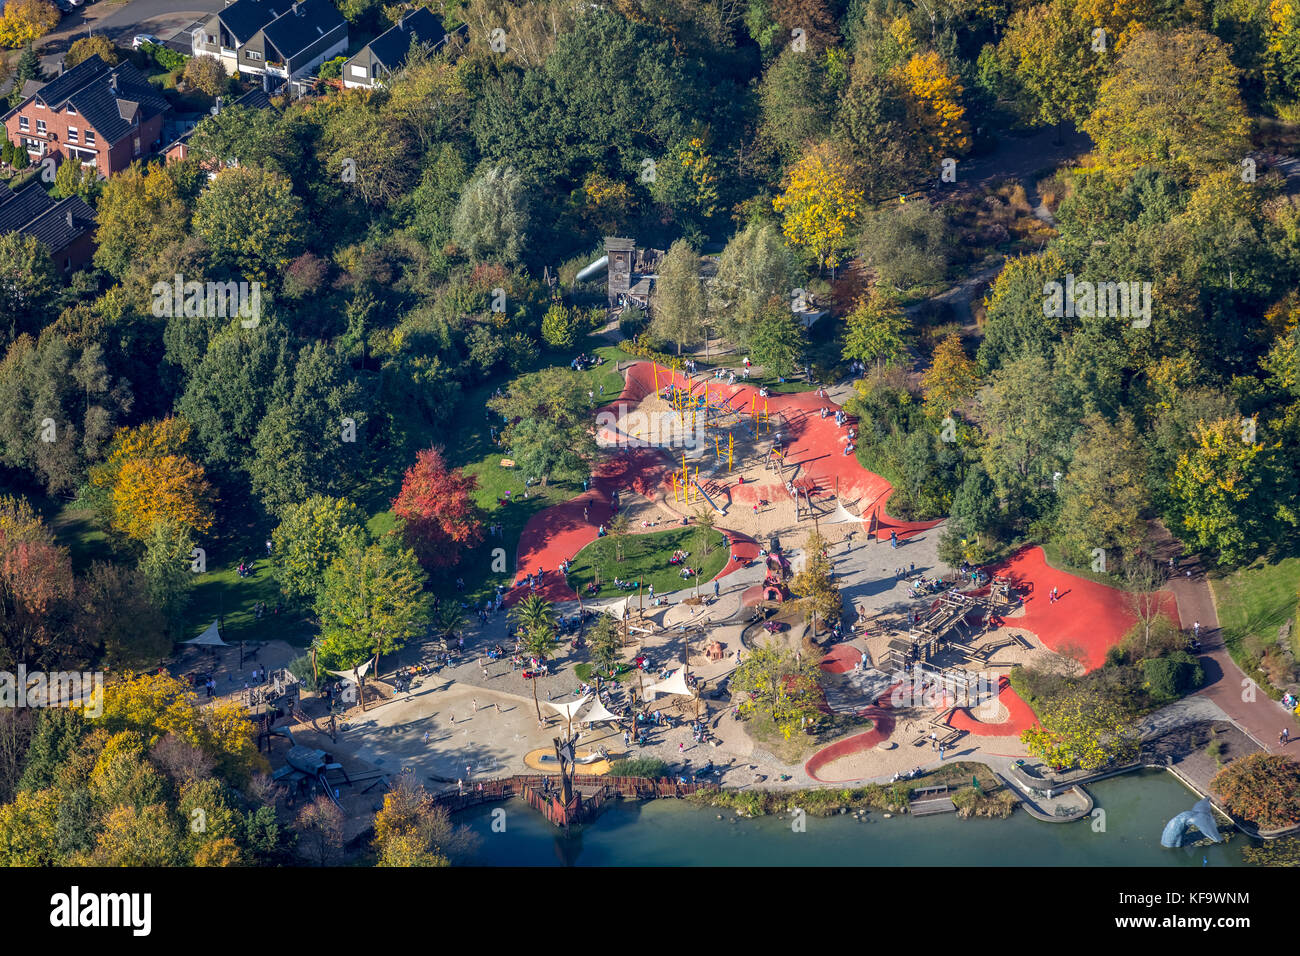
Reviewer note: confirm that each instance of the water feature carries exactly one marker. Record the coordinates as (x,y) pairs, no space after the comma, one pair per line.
(677,833)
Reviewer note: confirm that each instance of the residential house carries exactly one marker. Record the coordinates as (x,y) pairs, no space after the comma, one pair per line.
(106,116)
(386,54)
(66,226)
(273,37)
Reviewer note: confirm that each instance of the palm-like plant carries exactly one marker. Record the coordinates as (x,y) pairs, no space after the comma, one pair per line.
(536,622)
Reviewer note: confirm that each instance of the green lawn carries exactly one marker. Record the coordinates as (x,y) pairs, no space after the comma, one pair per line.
(1257,601)
(646,556)
(469,446)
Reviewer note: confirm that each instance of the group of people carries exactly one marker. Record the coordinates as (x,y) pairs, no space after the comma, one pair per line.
(585,361)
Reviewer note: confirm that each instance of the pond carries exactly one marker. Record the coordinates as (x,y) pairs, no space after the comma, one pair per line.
(676,833)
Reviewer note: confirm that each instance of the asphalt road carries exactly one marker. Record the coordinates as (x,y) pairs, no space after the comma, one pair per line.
(120,22)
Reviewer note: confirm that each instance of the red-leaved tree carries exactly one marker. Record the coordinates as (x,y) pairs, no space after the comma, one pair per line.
(441,518)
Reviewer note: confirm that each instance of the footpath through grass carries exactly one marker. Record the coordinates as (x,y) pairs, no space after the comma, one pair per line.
(645,556)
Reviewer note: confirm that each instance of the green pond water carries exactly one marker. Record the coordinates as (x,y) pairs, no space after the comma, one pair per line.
(677,833)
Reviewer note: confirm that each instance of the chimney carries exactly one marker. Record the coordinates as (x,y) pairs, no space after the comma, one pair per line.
(296,11)
(70,225)
(112,83)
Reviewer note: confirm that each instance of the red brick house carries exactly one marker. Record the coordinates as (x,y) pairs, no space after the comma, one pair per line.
(104,115)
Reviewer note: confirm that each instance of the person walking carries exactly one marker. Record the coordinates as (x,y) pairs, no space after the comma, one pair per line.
(941,753)
(1284,737)
(716,590)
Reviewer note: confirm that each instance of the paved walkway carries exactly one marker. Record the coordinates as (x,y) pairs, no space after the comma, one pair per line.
(1260,717)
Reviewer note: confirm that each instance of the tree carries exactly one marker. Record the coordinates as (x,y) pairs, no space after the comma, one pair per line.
(1082,726)
(1225,491)
(86,47)
(796,101)
(252,221)
(412,829)
(206,74)
(951,380)
(777,342)
(491,221)
(36,587)
(1027,428)
(436,505)
(29,68)
(535,620)
(906,245)
(140,213)
(115,611)
(777,687)
(875,329)
(71,386)
(704,525)
(308,441)
(935,115)
(605,643)
(226,394)
(310,536)
(1016,320)
(819,203)
(167,570)
(149,479)
(559,327)
(26,20)
(620,526)
(27,283)
(755,270)
(1172,102)
(319,825)
(678,303)
(814,585)
(1144,577)
(371,603)
(1104,492)
(1262,788)
(73,179)
(549,430)
(1048,58)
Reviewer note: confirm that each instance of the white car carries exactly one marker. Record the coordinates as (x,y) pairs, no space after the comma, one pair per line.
(140,39)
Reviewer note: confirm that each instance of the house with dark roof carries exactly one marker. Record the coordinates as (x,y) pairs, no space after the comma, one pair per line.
(178,149)
(273,37)
(106,116)
(66,226)
(386,53)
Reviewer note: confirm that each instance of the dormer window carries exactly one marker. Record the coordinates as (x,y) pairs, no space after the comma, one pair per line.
(72,110)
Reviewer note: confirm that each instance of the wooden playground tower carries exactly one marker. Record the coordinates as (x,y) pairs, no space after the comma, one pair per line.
(945,625)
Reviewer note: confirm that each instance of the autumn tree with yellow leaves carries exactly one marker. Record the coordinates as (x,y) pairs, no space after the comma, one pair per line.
(820,202)
(951,380)
(933,95)
(149,480)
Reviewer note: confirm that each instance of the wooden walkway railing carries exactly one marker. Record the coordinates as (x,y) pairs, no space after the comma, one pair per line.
(541,791)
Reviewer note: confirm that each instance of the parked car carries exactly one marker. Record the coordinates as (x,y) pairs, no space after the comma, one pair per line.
(140,39)
(65,6)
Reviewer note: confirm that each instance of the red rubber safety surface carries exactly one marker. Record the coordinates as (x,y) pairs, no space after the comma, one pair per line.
(1019,716)
(559,532)
(1092,617)
(880,731)
(841,659)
